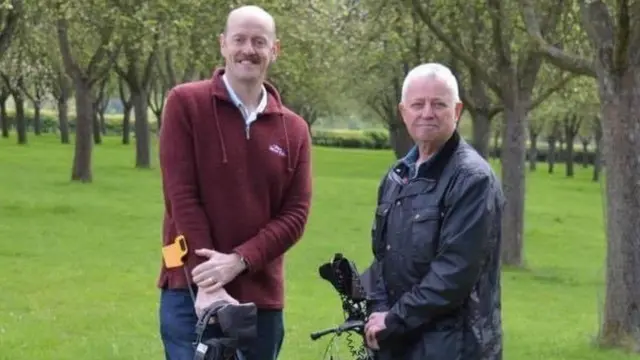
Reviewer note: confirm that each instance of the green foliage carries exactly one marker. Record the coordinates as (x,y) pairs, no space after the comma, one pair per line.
(310,72)
(578,97)
(91,28)
(189,38)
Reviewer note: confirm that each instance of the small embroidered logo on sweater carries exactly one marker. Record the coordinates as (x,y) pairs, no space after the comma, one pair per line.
(277,150)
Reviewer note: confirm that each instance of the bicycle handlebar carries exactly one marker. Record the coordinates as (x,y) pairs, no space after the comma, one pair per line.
(351,325)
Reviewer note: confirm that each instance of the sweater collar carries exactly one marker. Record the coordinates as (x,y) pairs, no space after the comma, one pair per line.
(273,101)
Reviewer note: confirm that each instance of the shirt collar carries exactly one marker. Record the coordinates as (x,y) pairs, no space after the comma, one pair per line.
(236,100)
(411,159)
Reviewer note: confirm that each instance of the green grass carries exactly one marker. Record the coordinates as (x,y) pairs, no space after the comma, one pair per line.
(78,262)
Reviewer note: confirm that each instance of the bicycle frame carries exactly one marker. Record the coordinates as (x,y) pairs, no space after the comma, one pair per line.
(344,277)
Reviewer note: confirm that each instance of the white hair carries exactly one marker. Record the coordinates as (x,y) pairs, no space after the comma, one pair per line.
(432,70)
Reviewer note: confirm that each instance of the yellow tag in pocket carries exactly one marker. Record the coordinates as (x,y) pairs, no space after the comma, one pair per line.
(174,252)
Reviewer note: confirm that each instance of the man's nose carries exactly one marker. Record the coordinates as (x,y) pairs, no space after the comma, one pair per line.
(248,48)
(427,111)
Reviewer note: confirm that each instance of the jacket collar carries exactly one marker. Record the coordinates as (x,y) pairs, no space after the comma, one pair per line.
(431,169)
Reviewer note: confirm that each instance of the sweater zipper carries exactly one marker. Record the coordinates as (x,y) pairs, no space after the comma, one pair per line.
(246,130)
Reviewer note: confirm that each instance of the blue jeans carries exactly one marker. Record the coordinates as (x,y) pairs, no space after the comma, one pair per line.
(177,329)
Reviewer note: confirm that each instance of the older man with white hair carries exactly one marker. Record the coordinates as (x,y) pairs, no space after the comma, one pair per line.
(436,236)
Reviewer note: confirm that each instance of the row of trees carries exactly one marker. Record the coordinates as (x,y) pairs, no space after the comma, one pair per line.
(554,65)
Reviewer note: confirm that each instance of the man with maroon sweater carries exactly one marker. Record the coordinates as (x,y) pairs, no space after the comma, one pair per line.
(237,184)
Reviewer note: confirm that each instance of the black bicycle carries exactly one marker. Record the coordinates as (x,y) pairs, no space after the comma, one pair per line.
(352,289)
(236,324)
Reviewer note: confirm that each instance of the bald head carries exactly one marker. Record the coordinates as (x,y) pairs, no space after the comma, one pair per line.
(249,44)
(253,14)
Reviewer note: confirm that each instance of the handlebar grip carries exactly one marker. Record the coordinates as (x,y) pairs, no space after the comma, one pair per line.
(318,334)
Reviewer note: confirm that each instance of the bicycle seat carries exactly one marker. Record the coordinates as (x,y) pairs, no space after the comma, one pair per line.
(235,328)
(344,276)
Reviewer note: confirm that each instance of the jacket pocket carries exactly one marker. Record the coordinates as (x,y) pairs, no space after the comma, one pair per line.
(425,230)
(379,227)
(440,345)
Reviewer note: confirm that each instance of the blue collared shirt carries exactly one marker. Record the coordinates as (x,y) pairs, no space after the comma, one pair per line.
(411,161)
(248,116)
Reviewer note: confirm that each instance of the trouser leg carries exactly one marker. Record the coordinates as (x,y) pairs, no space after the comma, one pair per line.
(270,337)
(177,324)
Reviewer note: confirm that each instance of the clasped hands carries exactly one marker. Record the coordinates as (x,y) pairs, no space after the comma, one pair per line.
(374,324)
(217,271)
(212,275)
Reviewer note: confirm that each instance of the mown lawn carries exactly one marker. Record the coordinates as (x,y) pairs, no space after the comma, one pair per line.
(78,263)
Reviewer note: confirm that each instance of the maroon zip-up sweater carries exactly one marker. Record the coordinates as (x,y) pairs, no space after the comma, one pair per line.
(231,190)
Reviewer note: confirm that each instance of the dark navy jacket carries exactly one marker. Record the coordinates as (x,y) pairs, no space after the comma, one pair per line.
(436,244)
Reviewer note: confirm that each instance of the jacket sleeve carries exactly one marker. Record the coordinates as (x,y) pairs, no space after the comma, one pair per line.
(378,300)
(287,227)
(463,247)
(178,173)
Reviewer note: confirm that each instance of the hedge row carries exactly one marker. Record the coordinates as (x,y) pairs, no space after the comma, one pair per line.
(49,122)
(355,139)
(379,139)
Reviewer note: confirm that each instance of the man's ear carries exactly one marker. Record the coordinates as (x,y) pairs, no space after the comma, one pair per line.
(275,51)
(401,110)
(459,107)
(222,43)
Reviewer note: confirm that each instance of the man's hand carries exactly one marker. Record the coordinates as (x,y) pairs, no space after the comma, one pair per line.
(219,270)
(372,327)
(205,299)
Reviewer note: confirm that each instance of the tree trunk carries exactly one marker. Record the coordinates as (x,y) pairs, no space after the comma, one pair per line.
(551,152)
(597,161)
(97,134)
(126,111)
(156,102)
(4,116)
(585,153)
(103,122)
(20,121)
(158,115)
(37,123)
(513,177)
(620,96)
(533,150)
(569,155)
(143,146)
(597,166)
(399,139)
(126,125)
(481,132)
(63,118)
(85,116)
(496,142)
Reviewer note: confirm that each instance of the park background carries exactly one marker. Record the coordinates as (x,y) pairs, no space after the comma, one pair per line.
(548,91)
